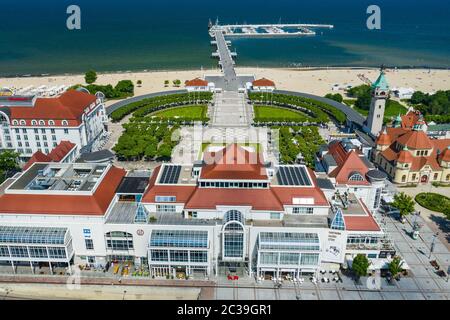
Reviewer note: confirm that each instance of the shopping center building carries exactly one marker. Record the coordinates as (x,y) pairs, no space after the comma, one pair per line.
(230,212)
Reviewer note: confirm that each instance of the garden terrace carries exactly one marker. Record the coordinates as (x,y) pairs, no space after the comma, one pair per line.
(182,115)
(149,105)
(277,114)
(434,201)
(319,111)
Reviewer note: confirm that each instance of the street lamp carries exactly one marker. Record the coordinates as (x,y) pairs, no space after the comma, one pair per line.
(433,244)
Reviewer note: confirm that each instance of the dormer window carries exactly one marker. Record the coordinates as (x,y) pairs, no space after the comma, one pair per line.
(15,122)
(355,176)
(22,122)
(51,123)
(41,122)
(34,122)
(64,123)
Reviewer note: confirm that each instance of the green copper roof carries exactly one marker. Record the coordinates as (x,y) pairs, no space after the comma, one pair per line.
(381,82)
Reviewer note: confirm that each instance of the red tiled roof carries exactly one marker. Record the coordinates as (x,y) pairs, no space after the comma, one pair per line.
(445,155)
(405,156)
(38,156)
(95,205)
(351,164)
(361,223)
(258,199)
(410,119)
(197,82)
(233,162)
(415,139)
(61,150)
(69,106)
(384,139)
(263,83)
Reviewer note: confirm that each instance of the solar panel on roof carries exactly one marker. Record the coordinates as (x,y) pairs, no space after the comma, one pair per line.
(293,176)
(170,174)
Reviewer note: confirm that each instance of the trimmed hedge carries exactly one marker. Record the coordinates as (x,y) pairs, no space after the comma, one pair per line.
(433,201)
(319,111)
(149,105)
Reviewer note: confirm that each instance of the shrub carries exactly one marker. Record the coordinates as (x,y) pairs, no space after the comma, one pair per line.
(433,201)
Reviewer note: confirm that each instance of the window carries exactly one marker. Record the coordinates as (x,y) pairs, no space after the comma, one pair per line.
(435,176)
(159,255)
(165,198)
(289,258)
(165,208)
(38,144)
(414,176)
(36,130)
(269,257)
(4,251)
(116,244)
(403,178)
(57,252)
(54,144)
(33,122)
(64,123)
(25,137)
(15,122)
(38,252)
(89,244)
(20,252)
(66,131)
(43,130)
(199,256)
(51,123)
(24,130)
(36,138)
(179,255)
(302,210)
(17,130)
(355,176)
(52,130)
(309,258)
(41,122)
(275,215)
(448,177)
(53,137)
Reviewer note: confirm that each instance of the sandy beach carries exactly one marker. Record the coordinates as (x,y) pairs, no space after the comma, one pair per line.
(315,81)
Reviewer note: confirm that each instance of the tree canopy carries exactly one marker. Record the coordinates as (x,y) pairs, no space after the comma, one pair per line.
(8,163)
(395,266)
(90,77)
(404,203)
(360,265)
(336,97)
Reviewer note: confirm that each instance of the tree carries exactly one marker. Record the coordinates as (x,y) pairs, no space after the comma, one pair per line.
(395,266)
(90,76)
(166,83)
(447,212)
(139,83)
(336,97)
(165,151)
(125,86)
(360,265)
(404,203)
(177,82)
(8,163)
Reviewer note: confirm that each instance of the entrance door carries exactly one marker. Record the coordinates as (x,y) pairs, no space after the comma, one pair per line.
(424,179)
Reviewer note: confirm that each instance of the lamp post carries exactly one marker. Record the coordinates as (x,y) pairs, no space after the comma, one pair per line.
(433,244)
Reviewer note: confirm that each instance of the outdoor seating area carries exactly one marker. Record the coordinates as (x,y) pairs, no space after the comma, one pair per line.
(40,91)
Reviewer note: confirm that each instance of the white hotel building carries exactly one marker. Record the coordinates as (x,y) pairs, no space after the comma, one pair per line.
(236,214)
(30,124)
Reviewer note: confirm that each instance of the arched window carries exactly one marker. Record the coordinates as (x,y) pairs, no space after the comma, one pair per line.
(233,236)
(41,122)
(15,122)
(33,122)
(355,176)
(403,178)
(64,123)
(51,122)
(448,177)
(22,122)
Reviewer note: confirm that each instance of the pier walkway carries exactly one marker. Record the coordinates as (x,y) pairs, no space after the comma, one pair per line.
(226,62)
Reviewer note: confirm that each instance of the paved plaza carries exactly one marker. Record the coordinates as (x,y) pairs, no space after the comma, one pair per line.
(422,283)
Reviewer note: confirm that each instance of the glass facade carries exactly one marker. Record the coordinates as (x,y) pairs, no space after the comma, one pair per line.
(32,235)
(338,222)
(179,238)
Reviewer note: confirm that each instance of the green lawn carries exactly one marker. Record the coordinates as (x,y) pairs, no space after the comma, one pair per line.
(276,113)
(187,112)
(433,201)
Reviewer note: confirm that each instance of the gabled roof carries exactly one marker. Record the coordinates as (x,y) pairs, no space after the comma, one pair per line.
(352,164)
(69,106)
(38,156)
(263,82)
(233,162)
(197,82)
(89,205)
(405,156)
(410,119)
(445,155)
(61,150)
(384,139)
